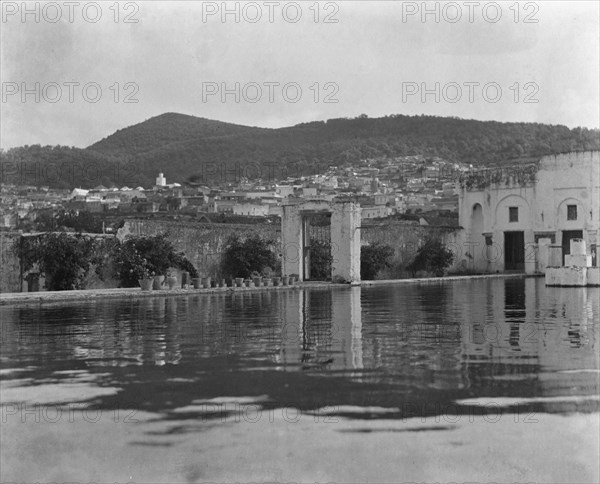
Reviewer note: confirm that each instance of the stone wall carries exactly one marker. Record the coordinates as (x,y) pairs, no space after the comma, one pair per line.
(202,243)
(10,272)
(406,238)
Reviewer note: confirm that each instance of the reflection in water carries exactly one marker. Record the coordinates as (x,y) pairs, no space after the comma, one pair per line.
(417,346)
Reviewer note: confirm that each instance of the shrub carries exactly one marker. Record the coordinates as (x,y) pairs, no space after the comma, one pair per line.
(432,256)
(141,257)
(242,257)
(63,259)
(374,258)
(320,260)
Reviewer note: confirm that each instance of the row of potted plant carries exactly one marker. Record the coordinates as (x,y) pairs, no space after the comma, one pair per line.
(149,281)
(156,282)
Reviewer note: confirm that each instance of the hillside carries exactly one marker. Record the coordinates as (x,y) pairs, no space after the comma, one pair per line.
(189,148)
(163,130)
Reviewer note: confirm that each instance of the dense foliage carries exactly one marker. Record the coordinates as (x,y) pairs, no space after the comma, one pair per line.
(374,258)
(243,257)
(209,151)
(63,259)
(142,257)
(432,257)
(320,260)
(81,221)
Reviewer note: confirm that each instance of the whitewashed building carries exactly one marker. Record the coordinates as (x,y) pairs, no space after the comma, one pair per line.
(509,214)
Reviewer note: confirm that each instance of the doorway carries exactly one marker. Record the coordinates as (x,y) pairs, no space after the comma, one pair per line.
(514,251)
(317,247)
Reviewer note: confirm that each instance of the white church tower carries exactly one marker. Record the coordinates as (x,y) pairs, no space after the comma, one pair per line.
(161,181)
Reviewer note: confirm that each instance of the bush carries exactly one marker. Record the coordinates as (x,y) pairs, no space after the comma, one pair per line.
(142,257)
(242,257)
(433,257)
(374,258)
(320,260)
(63,259)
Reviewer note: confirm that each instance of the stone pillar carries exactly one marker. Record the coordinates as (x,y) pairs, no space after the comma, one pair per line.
(291,241)
(543,254)
(554,256)
(531,256)
(578,256)
(578,247)
(345,242)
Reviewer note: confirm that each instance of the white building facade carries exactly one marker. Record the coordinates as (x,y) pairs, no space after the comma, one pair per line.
(512,216)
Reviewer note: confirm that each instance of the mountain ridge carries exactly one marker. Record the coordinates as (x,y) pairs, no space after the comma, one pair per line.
(186,147)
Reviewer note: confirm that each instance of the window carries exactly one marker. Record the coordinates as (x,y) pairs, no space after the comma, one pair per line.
(571,212)
(513,214)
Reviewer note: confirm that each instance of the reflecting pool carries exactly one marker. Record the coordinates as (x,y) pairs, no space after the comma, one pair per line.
(483,379)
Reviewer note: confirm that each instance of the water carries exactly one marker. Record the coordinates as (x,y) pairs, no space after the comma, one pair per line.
(169,387)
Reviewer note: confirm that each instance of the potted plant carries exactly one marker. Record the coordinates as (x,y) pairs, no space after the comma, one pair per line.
(146,284)
(197,282)
(256,279)
(171,280)
(143,274)
(294,278)
(285,280)
(276,281)
(239,281)
(185,279)
(206,282)
(158,282)
(267,276)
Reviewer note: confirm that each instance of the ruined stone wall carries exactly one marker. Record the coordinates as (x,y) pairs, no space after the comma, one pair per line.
(10,266)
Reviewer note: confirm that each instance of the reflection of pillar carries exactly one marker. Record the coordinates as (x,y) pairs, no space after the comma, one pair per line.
(345,241)
(292,320)
(346,316)
(356,322)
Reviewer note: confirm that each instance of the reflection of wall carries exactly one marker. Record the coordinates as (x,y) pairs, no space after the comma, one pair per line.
(521,323)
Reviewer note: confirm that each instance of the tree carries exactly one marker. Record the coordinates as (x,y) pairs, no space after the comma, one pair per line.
(374,258)
(151,255)
(63,259)
(83,221)
(432,256)
(242,257)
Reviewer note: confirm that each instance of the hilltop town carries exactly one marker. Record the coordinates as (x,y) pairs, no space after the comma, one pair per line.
(418,188)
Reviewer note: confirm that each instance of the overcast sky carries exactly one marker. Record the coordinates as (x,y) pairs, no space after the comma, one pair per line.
(371,57)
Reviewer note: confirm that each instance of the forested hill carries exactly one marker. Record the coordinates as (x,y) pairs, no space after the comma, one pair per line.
(163,130)
(184,146)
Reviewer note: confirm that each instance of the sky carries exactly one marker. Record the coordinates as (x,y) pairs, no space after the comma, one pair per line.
(74,74)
